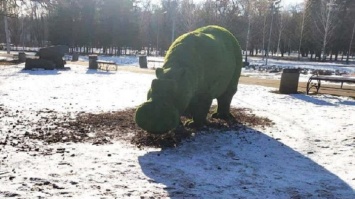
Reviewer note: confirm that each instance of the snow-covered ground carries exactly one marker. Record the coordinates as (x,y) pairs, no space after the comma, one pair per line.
(308,153)
(304,64)
(255,61)
(259,70)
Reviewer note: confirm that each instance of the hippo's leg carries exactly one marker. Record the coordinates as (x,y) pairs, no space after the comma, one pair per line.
(224,102)
(199,108)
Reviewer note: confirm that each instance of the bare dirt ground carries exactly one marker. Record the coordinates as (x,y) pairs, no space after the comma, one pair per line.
(51,127)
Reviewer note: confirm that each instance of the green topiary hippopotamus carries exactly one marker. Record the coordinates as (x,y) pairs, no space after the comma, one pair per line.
(199,66)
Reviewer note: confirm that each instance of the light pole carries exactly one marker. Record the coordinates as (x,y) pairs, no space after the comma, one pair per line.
(264,50)
(248,33)
(273,7)
(159,16)
(279,39)
(302,29)
(7,33)
(351,42)
(173,13)
(23,34)
(156,49)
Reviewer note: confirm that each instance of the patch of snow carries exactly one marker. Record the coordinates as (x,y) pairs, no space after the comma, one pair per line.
(308,153)
(350,68)
(120,60)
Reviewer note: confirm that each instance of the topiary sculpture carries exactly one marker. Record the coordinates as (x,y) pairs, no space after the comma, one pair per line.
(199,66)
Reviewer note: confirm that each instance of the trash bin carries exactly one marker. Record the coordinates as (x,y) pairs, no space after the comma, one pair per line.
(143,61)
(93,62)
(75,56)
(289,81)
(21,57)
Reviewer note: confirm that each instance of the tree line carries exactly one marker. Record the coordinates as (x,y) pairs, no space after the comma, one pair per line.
(317,29)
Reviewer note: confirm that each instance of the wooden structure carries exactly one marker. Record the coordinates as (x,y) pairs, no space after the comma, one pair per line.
(106,65)
(315,81)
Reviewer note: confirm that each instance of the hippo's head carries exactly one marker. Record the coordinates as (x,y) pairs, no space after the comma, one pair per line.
(159,114)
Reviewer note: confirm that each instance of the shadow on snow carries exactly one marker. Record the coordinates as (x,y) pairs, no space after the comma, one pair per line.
(40,72)
(254,166)
(321,102)
(100,72)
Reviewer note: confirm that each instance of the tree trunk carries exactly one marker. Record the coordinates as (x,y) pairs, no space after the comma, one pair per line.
(336,56)
(7,34)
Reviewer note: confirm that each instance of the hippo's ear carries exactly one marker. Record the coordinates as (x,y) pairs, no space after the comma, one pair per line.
(170,73)
(149,95)
(159,72)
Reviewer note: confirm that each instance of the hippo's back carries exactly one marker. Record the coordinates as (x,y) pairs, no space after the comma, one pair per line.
(216,59)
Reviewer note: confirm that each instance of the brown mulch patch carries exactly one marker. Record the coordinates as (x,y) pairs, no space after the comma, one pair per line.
(48,126)
(103,127)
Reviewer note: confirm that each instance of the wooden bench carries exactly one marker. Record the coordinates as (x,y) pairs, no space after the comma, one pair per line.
(319,78)
(106,65)
(154,62)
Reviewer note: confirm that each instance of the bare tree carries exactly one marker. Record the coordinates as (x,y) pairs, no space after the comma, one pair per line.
(188,15)
(260,14)
(274,7)
(281,28)
(248,31)
(145,20)
(5,11)
(304,15)
(325,23)
(11,8)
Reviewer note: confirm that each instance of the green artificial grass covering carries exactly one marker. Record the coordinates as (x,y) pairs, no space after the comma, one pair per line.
(199,66)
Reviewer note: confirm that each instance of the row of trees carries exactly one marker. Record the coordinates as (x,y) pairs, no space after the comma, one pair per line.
(317,29)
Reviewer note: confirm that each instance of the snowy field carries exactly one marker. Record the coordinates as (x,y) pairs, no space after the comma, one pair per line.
(308,153)
(259,71)
(256,61)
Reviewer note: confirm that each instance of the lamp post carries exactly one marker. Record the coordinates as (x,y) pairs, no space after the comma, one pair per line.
(23,34)
(302,29)
(264,50)
(351,42)
(158,29)
(7,33)
(248,33)
(279,39)
(273,7)
(173,13)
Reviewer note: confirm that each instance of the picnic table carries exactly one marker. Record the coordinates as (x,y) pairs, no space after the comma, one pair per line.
(106,65)
(315,81)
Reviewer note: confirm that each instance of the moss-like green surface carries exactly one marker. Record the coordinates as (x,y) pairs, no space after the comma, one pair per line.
(199,66)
